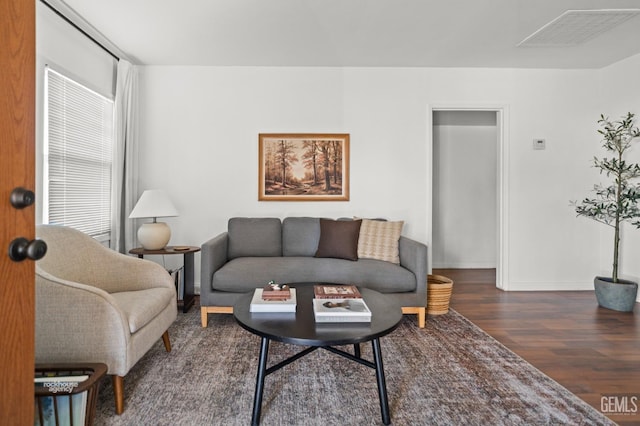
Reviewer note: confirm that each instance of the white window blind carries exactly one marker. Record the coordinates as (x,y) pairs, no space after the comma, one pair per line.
(78,156)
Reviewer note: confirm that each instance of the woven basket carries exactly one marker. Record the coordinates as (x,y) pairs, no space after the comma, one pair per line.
(438,294)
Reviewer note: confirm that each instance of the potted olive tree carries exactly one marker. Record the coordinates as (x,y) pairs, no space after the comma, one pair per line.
(614,203)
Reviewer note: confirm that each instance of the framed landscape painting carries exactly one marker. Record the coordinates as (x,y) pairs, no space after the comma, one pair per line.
(303,167)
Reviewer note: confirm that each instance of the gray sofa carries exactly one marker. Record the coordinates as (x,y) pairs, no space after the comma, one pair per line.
(254,251)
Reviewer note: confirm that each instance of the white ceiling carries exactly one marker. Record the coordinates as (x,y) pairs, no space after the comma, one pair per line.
(359,33)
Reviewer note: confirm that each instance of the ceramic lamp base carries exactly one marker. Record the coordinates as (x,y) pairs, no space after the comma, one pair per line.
(154,236)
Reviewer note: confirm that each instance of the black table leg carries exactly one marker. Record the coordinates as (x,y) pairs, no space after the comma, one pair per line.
(382,385)
(262,368)
(188,296)
(356,350)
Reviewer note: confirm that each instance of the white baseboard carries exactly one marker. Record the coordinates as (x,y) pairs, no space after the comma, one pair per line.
(550,286)
(464,265)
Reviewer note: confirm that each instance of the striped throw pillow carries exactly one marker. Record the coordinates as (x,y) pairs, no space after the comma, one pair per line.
(379,240)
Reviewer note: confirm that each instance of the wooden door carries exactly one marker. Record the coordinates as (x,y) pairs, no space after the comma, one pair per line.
(17,168)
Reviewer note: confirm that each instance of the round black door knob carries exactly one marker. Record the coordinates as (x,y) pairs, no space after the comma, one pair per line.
(21,198)
(21,249)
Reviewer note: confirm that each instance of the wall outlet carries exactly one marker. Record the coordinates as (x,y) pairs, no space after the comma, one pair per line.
(539,144)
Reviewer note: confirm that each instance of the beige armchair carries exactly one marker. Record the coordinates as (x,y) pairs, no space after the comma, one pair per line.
(96,305)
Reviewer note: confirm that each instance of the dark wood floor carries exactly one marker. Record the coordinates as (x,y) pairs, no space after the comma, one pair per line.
(591,351)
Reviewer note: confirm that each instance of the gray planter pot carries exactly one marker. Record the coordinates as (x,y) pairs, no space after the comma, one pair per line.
(619,297)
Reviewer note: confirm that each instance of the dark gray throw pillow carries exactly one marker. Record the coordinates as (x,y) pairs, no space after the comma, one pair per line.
(339,239)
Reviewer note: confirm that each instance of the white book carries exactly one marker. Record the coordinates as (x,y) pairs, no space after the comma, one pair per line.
(341,310)
(259,305)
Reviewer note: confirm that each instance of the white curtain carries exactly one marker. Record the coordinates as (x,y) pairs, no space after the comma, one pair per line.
(125,176)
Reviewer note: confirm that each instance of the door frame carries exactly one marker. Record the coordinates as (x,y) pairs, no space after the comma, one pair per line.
(502,190)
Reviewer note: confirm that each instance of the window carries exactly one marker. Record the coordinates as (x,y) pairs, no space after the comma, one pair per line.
(78,151)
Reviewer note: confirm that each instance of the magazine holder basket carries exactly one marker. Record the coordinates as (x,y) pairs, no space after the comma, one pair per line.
(62,400)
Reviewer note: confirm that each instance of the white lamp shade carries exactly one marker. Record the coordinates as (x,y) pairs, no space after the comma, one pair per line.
(153,203)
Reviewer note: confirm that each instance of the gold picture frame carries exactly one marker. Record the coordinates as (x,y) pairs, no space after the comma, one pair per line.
(303,167)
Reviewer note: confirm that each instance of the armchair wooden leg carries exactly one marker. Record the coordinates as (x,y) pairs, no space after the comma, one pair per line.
(118,393)
(166,341)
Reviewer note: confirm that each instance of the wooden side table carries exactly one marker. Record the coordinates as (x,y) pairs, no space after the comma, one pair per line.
(188,255)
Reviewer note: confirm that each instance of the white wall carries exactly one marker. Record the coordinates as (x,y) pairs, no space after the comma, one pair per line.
(465,165)
(199,135)
(620,90)
(199,128)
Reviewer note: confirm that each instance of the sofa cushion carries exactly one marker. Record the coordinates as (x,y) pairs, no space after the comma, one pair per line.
(300,236)
(379,240)
(254,237)
(339,239)
(247,273)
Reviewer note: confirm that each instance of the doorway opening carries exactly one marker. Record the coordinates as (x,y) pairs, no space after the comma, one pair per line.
(468,196)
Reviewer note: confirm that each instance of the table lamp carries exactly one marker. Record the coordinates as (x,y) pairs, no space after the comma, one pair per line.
(154,203)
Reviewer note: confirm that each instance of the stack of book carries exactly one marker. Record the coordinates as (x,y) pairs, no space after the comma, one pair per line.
(273,298)
(339,303)
(273,291)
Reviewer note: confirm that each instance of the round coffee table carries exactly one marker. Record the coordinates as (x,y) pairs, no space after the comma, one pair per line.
(300,328)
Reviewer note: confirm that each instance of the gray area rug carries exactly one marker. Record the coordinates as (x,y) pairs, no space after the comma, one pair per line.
(449,373)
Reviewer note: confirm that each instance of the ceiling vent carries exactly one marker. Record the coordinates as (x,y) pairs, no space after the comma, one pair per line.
(574,27)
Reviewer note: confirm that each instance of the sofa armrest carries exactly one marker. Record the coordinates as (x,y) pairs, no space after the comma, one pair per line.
(213,255)
(413,256)
(77,322)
